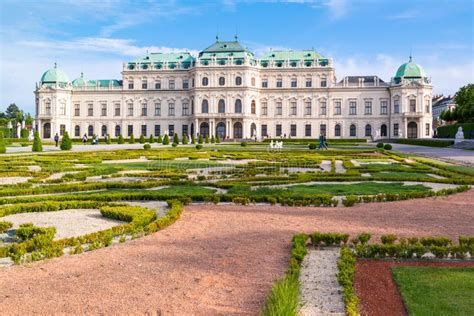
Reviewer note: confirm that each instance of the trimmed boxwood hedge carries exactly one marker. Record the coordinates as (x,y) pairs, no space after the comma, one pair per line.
(426,142)
(449,131)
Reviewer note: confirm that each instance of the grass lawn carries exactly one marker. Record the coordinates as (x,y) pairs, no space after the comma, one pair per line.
(362,188)
(436,291)
(401,175)
(167,164)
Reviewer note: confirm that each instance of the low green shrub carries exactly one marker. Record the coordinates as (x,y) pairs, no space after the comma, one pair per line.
(37,145)
(328,239)
(174,144)
(159,140)
(426,142)
(66,143)
(3,145)
(345,277)
(142,139)
(388,239)
(175,138)
(131,140)
(120,139)
(4,226)
(28,231)
(387,147)
(379,145)
(198,146)
(166,140)
(350,200)
(243,144)
(135,215)
(312,146)
(147,146)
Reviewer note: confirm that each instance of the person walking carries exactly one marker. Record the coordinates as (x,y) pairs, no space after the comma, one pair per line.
(56,139)
(84,138)
(325,145)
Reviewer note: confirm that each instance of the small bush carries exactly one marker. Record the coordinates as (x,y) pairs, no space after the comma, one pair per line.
(147,146)
(388,239)
(218,139)
(175,138)
(131,140)
(193,139)
(4,226)
(109,139)
(3,145)
(350,200)
(387,147)
(313,146)
(159,140)
(198,146)
(174,144)
(207,139)
(66,143)
(185,139)
(37,145)
(379,145)
(142,139)
(364,238)
(243,144)
(166,140)
(120,139)
(200,140)
(151,139)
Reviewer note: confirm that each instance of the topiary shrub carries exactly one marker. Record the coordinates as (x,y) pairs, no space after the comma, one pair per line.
(131,140)
(243,144)
(193,139)
(213,140)
(3,145)
(151,139)
(175,138)
(166,140)
(66,143)
(147,146)
(120,139)
(200,141)
(379,145)
(109,139)
(142,139)
(198,146)
(24,133)
(4,226)
(185,139)
(174,144)
(159,140)
(37,145)
(350,200)
(387,147)
(207,139)
(313,146)
(218,139)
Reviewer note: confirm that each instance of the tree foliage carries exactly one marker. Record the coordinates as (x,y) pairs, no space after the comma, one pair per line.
(464,111)
(3,145)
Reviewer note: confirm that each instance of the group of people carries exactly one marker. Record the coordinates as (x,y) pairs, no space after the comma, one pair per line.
(95,139)
(322,142)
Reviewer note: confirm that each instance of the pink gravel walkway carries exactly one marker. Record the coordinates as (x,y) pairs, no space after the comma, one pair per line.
(214,260)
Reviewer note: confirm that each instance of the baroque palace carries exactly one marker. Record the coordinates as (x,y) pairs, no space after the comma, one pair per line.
(226,91)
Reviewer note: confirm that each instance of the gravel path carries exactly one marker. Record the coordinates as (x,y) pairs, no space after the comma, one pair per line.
(321,294)
(214,260)
(340,167)
(160,207)
(68,223)
(13,180)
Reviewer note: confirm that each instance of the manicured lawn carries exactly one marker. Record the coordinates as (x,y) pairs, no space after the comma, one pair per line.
(363,188)
(436,291)
(167,164)
(185,190)
(400,175)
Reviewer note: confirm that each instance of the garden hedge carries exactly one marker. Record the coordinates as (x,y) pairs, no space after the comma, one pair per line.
(449,131)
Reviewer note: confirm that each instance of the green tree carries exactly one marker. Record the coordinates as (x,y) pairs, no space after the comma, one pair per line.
(24,133)
(166,140)
(66,143)
(3,145)
(28,119)
(120,139)
(175,138)
(185,139)
(200,141)
(37,145)
(13,112)
(464,111)
(131,140)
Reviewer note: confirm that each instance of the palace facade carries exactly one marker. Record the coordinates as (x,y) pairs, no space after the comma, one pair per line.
(226,91)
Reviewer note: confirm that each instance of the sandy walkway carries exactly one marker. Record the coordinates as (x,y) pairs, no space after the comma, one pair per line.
(215,260)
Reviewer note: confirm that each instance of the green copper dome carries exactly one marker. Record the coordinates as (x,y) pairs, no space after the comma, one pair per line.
(79,82)
(54,75)
(410,70)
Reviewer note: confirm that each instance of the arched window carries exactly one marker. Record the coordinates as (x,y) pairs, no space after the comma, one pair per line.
(77,131)
(383,130)
(221,81)
(238,130)
(238,106)
(352,130)
(221,106)
(238,81)
(204,106)
(90,130)
(368,130)
(253,107)
(104,130)
(117,130)
(204,129)
(205,81)
(47,130)
(337,130)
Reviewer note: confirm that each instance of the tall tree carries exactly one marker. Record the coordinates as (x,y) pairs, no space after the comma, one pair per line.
(464,111)
(13,112)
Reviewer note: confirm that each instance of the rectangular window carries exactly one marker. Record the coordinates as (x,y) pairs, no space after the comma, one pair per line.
(307,130)
(264,83)
(185,84)
(264,108)
(395,129)
(130,109)
(337,107)
(130,85)
(309,83)
(77,109)
(157,130)
(171,84)
(322,129)
(144,109)
(264,130)
(307,108)
(90,109)
(184,130)
(157,109)
(427,129)
(396,106)
(47,108)
(293,108)
(278,130)
(103,109)
(117,109)
(279,108)
(130,130)
(368,108)
(413,105)
(324,83)
(144,130)
(62,129)
(171,130)
(294,83)
(323,108)
(158,84)
(384,107)
(279,83)
(171,109)
(352,108)
(185,109)
(144,85)
(427,106)
(293,130)
(62,109)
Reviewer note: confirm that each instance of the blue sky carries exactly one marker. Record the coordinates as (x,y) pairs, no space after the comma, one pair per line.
(364,37)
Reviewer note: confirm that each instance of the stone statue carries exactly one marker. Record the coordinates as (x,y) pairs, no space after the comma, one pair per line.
(31,136)
(459,135)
